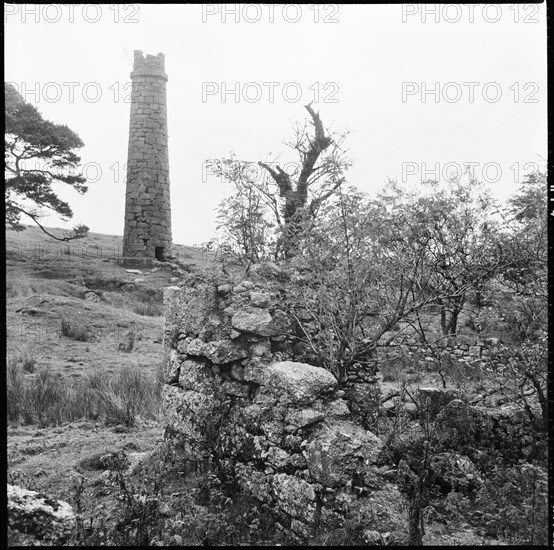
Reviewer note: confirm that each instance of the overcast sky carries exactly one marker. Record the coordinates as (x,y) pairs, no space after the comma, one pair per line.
(419,90)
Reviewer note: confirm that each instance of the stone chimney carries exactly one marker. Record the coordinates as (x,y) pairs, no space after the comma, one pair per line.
(147,233)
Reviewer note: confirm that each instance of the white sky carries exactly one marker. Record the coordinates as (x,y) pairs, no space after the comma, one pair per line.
(363,57)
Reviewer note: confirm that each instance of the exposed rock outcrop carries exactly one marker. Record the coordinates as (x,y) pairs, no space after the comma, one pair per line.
(36,520)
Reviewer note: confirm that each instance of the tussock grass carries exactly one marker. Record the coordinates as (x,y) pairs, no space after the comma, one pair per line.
(47,399)
(27,357)
(128,395)
(149,309)
(71,329)
(20,288)
(29,363)
(148,302)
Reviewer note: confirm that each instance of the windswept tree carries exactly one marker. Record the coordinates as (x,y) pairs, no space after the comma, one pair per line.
(525,242)
(294,195)
(367,265)
(38,153)
(358,275)
(456,227)
(243,222)
(524,310)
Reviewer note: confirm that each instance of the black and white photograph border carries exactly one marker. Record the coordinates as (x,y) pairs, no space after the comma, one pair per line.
(276,274)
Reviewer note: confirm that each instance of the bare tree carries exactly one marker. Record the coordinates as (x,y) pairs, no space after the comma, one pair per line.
(314,167)
(294,196)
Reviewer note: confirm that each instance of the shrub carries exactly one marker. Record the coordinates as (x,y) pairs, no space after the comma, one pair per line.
(198,508)
(391,371)
(399,366)
(513,504)
(105,460)
(80,231)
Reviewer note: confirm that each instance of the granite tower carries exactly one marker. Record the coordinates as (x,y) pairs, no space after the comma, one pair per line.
(147,233)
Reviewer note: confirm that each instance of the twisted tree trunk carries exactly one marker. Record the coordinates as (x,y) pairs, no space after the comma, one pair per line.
(296,195)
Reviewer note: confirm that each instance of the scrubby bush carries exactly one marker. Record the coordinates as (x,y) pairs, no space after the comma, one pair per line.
(165,502)
(391,371)
(513,505)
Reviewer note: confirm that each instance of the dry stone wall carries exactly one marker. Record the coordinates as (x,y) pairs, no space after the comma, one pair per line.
(464,352)
(461,348)
(282,428)
(147,232)
(458,356)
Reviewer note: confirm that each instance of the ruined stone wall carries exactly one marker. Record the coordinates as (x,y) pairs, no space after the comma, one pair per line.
(460,357)
(147,232)
(282,428)
(461,348)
